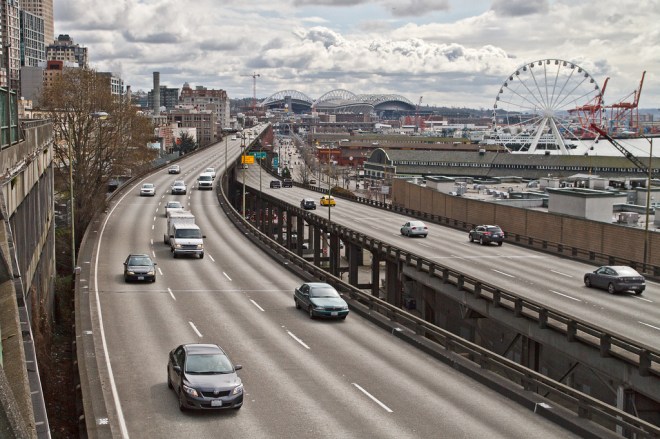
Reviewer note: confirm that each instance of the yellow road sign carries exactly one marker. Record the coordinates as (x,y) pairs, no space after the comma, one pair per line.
(247,159)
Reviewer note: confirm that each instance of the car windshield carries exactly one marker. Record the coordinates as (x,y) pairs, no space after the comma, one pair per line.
(323,292)
(188,233)
(208,364)
(140,261)
(173,204)
(204,178)
(147,186)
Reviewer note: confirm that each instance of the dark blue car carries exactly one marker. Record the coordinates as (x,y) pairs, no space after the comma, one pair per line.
(320,300)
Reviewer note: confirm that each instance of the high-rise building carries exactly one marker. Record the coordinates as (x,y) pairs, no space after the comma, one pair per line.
(202,98)
(64,49)
(43,9)
(169,98)
(10,26)
(33,48)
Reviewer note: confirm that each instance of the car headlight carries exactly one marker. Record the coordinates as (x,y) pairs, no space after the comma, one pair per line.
(177,245)
(190,391)
(319,307)
(130,272)
(200,246)
(237,390)
(345,307)
(152,272)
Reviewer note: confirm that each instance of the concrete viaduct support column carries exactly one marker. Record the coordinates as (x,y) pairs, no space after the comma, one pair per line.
(375,274)
(393,284)
(316,244)
(300,230)
(355,257)
(334,255)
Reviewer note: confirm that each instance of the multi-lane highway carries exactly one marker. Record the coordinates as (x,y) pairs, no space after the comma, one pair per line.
(553,281)
(302,377)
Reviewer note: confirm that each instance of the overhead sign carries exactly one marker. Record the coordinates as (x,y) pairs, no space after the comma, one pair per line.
(247,159)
(258,154)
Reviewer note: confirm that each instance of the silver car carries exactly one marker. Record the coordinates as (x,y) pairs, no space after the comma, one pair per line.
(615,279)
(179,187)
(415,228)
(148,190)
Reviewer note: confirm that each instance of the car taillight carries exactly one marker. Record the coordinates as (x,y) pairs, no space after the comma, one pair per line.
(414,228)
(486,233)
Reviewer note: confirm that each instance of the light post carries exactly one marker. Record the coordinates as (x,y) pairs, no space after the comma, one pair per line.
(648,201)
(242,162)
(226,141)
(73,218)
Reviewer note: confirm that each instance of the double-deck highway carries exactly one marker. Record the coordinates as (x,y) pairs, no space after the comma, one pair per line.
(550,280)
(302,377)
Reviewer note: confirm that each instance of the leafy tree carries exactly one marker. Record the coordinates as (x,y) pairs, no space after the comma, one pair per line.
(286,173)
(187,143)
(98,134)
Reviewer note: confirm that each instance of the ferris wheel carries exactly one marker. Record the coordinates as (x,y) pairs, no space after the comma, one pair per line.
(546,105)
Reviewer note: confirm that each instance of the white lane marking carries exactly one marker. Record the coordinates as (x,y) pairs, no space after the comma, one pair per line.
(297,339)
(227,276)
(560,273)
(160,271)
(373,398)
(427,246)
(195,329)
(151,241)
(154,216)
(153,227)
(171,293)
(210,257)
(257,305)
(153,253)
(642,298)
(650,326)
(502,273)
(565,295)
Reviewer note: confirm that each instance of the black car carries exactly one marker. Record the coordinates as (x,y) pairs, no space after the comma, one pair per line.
(139,267)
(486,234)
(320,300)
(308,204)
(616,279)
(203,378)
(287,182)
(276,184)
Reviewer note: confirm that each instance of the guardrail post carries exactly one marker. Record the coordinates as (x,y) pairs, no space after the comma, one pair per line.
(445,276)
(460,281)
(419,264)
(477,290)
(571,330)
(605,345)
(583,411)
(644,363)
(543,318)
(518,306)
(497,298)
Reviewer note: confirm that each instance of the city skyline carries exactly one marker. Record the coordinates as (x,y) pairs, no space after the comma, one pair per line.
(451,53)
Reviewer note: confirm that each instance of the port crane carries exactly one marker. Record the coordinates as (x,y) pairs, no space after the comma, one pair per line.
(254,76)
(627,154)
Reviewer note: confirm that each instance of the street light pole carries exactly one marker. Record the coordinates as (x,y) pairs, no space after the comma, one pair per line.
(242,162)
(226,140)
(73,218)
(648,201)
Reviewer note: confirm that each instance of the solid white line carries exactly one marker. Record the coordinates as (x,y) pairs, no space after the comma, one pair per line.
(503,273)
(642,298)
(257,305)
(171,293)
(650,326)
(227,276)
(569,297)
(387,409)
(211,257)
(297,339)
(561,274)
(195,329)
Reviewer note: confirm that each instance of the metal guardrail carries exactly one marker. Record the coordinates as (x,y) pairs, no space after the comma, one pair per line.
(579,403)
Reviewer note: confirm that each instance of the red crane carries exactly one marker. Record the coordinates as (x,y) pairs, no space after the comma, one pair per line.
(624,116)
(589,114)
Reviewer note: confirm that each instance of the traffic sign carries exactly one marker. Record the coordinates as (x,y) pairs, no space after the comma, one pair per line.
(247,159)
(258,154)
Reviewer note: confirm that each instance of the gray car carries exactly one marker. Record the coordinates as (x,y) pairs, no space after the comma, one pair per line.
(415,228)
(139,267)
(320,300)
(616,279)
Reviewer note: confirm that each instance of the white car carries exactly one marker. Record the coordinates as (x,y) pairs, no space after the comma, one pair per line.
(148,190)
(210,171)
(179,187)
(173,206)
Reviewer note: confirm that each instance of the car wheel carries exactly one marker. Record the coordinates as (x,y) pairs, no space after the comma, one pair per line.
(481,240)
(174,254)
(424,236)
(610,289)
(499,243)
(402,231)
(182,404)
(470,237)
(343,317)
(297,304)
(311,312)
(169,382)
(639,292)
(587,282)
(153,280)
(201,256)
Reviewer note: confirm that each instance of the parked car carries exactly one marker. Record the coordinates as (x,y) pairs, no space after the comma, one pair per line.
(275,184)
(287,182)
(179,187)
(308,204)
(139,267)
(203,377)
(415,228)
(148,190)
(174,169)
(320,299)
(210,171)
(327,200)
(616,279)
(173,206)
(486,234)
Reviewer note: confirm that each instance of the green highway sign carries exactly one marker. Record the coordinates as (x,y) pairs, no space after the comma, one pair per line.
(259,154)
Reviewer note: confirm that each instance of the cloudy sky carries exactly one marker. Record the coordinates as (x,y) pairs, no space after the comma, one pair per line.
(452,52)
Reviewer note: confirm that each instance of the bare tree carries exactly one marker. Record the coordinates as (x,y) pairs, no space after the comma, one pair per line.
(98,136)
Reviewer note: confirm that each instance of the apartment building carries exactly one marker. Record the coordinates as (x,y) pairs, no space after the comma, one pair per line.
(64,49)
(44,10)
(202,98)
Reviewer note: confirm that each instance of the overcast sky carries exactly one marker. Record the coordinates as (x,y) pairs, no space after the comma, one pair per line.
(452,52)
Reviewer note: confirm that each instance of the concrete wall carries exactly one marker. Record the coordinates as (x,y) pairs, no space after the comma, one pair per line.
(611,239)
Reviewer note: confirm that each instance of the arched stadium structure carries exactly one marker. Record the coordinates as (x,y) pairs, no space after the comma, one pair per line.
(338,101)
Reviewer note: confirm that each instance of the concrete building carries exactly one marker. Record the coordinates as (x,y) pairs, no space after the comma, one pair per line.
(115,82)
(202,98)
(10,27)
(43,9)
(64,49)
(203,121)
(585,203)
(169,97)
(32,82)
(33,46)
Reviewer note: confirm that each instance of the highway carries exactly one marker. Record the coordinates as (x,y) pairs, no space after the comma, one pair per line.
(302,377)
(553,281)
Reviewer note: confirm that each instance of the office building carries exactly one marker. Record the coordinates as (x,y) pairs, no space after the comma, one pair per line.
(43,9)
(202,98)
(64,49)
